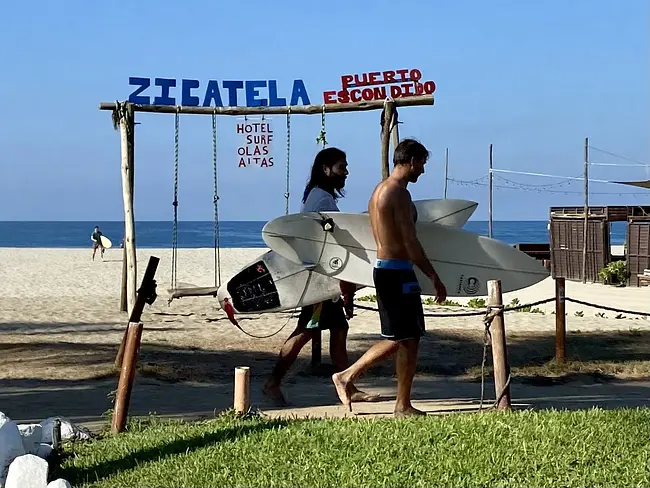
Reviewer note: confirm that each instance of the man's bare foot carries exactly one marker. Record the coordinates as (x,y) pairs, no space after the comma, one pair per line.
(274,394)
(362,396)
(407,412)
(342,390)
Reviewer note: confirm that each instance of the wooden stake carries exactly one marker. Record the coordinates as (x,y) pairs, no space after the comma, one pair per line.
(412,101)
(490,196)
(586,226)
(126,136)
(499,347)
(127,375)
(389,109)
(560,320)
(130,347)
(242,389)
(136,311)
(394,130)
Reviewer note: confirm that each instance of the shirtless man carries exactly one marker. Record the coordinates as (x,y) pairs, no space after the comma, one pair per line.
(398,292)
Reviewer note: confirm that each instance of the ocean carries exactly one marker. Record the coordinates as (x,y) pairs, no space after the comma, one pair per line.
(196,234)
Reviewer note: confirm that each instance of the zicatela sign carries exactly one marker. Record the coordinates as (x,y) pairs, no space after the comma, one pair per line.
(374,85)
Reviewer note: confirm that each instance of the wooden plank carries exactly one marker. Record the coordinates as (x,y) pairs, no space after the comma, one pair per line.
(416,100)
(193,292)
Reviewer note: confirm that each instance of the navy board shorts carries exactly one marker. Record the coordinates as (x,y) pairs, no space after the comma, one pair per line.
(327,315)
(398,299)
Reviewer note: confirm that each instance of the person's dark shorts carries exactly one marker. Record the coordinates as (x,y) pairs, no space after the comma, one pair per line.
(330,316)
(398,299)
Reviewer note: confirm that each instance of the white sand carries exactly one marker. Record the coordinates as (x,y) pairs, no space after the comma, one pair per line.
(65,286)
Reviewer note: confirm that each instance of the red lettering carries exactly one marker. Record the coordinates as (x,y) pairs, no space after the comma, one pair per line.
(407,89)
(415,75)
(344,96)
(242,163)
(346,80)
(373,78)
(328,97)
(429,87)
(363,81)
(419,88)
(380,93)
(395,91)
(368,94)
(402,73)
(389,76)
(355,95)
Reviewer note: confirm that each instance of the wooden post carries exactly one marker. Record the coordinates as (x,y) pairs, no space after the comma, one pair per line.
(126,136)
(446,171)
(560,320)
(136,312)
(242,389)
(389,109)
(586,226)
(123,302)
(490,196)
(499,347)
(394,129)
(127,375)
(130,347)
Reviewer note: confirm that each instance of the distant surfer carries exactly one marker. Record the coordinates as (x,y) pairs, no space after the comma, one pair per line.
(96,237)
(325,186)
(396,284)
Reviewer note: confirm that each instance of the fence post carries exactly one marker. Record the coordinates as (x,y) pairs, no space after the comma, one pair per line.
(560,320)
(242,389)
(499,348)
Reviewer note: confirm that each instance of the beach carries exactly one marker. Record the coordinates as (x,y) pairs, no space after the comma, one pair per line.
(61,327)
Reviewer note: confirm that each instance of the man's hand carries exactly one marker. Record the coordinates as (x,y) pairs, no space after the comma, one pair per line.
(441,290)
(347,291)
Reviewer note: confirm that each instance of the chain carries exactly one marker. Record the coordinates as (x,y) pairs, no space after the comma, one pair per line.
(321,137)
(175,202)
(288,184)
(215,200)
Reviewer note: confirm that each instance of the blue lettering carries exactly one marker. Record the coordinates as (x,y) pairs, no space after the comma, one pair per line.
(188,99)
(143,83)
(299,91)
(274,101)
(164,98)
(232,87)
(251,93)
(212,93)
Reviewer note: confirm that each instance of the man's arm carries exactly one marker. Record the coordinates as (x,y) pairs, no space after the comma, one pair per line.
(406,226)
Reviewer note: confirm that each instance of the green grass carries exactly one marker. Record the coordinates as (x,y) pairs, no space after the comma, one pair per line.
(527,448)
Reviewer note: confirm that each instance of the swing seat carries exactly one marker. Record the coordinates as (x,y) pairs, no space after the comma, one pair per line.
(204,291)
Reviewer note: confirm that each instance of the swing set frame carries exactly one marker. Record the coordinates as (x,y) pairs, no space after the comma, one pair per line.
(123,116)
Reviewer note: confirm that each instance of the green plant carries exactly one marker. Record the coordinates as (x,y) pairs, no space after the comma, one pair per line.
(615,273)
(476,303)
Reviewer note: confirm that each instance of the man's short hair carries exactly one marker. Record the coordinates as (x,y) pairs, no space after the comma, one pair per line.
(407,149)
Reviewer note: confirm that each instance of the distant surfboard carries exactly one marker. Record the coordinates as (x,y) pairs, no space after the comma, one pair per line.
(106,242)
(272,283)
(465,261)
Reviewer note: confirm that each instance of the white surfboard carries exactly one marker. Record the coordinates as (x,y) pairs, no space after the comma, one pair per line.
(272,283)
(465,261)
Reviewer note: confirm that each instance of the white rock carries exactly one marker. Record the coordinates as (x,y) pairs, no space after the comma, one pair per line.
(11,445)
(32,435)
(60,483)
(68,430)
(27,471)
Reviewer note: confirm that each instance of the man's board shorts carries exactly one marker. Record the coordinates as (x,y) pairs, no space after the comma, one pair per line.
(398,299)
(327,315)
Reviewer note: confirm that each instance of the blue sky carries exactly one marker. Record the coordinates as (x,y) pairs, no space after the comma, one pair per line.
(532,78)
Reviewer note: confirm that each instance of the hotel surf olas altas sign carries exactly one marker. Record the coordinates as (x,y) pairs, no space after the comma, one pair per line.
(256,133)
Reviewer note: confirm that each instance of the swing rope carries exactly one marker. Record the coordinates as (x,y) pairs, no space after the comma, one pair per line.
(215,200)
(288,183)
(320,139)
(175,204)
